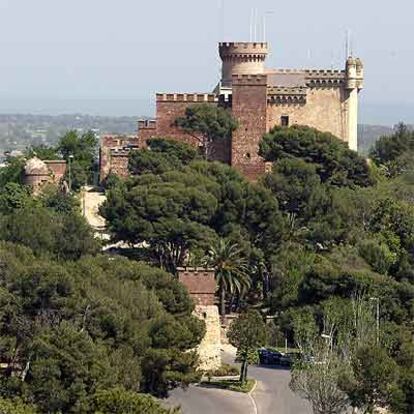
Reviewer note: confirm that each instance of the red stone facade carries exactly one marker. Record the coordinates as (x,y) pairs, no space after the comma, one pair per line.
(57,169)
(249,97)
(200,283)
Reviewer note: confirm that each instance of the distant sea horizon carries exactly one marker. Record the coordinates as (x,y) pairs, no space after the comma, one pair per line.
(387,114)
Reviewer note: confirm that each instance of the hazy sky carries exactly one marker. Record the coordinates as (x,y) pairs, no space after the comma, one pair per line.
(110,57)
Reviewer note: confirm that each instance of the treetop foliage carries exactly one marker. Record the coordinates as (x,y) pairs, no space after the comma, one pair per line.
(335,163)
(69,330)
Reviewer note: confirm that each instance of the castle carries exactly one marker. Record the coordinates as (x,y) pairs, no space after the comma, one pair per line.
(259,99)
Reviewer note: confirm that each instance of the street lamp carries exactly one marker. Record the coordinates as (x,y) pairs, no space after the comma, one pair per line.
(70,172)
(377,316)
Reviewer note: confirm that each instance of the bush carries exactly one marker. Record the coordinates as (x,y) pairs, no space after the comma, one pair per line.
(224,371)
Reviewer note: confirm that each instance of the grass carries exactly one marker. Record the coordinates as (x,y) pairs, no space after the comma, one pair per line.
(232,385)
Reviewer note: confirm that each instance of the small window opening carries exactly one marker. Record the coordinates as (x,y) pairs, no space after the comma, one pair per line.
(284,121)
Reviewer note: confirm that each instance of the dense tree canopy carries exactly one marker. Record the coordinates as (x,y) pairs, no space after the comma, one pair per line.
(184,211)
(395,153)
(335,163)
(347,233)
(82,331)
(71,329)
(162,155)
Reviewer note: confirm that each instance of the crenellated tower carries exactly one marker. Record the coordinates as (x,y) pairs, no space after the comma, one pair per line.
(242,58)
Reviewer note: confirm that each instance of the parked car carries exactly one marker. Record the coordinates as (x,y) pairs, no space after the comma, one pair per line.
(269,357)
(286,360)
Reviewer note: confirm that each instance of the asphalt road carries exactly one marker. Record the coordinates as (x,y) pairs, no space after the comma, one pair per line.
(200,400)
(271,396)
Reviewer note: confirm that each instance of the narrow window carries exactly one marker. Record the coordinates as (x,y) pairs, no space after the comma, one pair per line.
(284,121)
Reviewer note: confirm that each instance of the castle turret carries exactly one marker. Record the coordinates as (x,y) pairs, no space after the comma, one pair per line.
(242,58)
(354,83)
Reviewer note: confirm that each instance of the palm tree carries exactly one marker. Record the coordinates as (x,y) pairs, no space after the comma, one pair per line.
(231,270)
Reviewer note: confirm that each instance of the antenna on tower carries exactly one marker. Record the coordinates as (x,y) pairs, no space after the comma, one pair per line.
(251,24)
(348,46)
(256,23)
(268,13)
(221,20)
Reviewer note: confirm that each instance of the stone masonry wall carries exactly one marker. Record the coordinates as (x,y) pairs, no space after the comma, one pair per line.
(172,106)
(113,155)
(201,286)
(200,283)
(146,129)
(209,350)
(325,110)
(249,109)
(57,169)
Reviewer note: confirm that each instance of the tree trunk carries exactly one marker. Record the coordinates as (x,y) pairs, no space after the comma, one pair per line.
(243,371)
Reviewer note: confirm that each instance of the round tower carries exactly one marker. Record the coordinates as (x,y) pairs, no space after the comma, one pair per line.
(242,58)
(351,72)
(36,173)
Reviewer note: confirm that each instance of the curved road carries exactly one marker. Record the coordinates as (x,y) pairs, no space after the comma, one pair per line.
(271,396)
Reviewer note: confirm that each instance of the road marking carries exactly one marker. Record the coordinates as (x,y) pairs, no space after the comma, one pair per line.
(255,410)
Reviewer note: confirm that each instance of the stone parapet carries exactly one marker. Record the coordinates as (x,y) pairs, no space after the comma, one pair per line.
(200,283)
(186,97)
(249,80)
(232,49)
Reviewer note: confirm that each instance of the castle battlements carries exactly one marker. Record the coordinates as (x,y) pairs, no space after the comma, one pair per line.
(186,97)
(287,95)
(244,47)
(249,80)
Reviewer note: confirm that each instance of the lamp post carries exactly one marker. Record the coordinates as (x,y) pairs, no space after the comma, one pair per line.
(70,172)
(377,316)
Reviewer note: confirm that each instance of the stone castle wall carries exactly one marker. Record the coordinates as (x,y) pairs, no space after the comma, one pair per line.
(114,154)
(250,110)
(200,283)
(325,109)
(172,106)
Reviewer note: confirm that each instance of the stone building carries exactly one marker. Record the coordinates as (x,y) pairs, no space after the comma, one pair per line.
(260,99)
(113,155)
(201,286)
(38,173)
